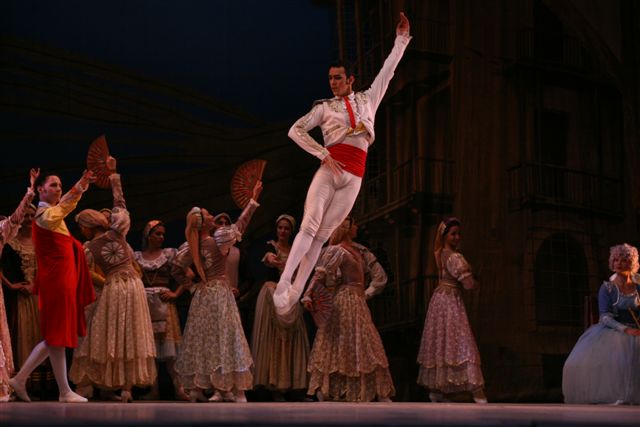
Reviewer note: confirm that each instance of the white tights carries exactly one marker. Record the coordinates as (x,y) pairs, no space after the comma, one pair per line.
(329,200)
(58,362)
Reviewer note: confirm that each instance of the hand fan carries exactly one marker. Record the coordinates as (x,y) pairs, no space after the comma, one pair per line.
(322,299)
(244,179)
(97,161)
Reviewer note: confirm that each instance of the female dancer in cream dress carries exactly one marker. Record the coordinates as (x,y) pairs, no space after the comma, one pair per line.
(280,348)
(214,353)
(118,351)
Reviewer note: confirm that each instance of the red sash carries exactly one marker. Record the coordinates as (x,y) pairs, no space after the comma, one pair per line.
(64,287)
(353,158)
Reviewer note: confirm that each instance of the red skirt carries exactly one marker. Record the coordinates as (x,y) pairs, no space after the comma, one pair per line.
(63,285)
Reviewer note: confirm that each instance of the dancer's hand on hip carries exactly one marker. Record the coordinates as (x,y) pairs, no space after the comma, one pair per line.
(334,165)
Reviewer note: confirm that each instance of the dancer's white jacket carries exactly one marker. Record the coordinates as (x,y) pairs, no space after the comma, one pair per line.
(331,114)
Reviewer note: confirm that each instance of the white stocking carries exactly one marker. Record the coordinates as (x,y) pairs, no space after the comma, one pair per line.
(38,355)
(59,365)
(307,265)
(299,249)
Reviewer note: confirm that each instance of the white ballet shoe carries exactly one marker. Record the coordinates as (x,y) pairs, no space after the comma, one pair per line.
(20,389)
(217,397)
(479,396)
(72,397)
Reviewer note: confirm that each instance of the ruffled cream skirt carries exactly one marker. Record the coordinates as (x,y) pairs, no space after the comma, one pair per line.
(119,349)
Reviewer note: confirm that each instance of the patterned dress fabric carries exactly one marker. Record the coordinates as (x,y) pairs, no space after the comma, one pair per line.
(448,356)
(214,351)
(118,350)
(348,361)
(280,350)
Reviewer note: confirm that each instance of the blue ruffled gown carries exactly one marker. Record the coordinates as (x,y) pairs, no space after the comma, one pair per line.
(604,365)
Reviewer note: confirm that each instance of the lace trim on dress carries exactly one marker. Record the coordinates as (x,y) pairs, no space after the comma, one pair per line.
(167,255)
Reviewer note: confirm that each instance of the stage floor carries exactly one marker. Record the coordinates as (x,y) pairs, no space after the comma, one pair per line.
(159,414)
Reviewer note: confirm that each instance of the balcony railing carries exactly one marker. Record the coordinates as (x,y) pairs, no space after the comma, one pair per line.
(389,190)
(551,49)
(538,185)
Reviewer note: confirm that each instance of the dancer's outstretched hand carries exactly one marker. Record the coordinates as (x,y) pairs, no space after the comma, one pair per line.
(33,175)
(403,26)
(333,164)
(111,164)
(87,178)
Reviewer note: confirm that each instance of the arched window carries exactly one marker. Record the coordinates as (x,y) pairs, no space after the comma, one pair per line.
(561,280)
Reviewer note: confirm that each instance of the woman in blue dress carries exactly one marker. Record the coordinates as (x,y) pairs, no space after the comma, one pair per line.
(604,365)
